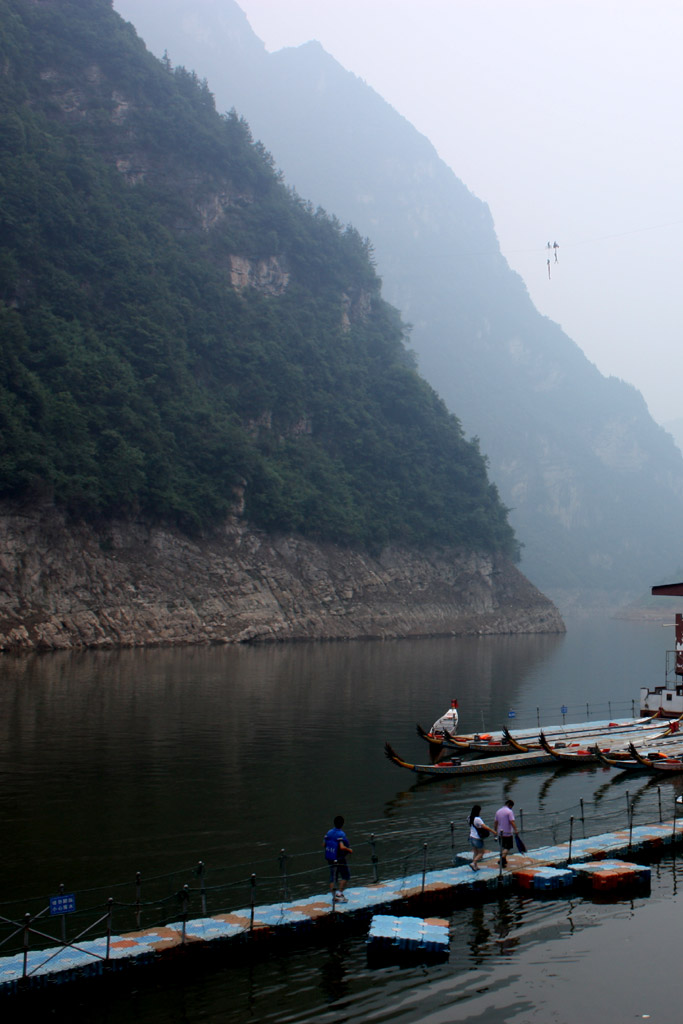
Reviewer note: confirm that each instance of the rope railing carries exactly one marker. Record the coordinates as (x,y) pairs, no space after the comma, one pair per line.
(561,714)
(200,890)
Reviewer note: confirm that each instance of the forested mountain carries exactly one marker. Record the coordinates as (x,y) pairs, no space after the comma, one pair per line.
(596,487)
(180,330)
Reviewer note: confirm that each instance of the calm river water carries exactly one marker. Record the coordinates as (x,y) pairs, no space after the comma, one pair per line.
(118,762)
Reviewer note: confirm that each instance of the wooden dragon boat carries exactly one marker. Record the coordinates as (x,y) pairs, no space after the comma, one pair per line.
(523,740)
(655,764)
(671,748)
(611,744)
(583,734)
(474,745)
(580,755)
(509,762)
(626,764)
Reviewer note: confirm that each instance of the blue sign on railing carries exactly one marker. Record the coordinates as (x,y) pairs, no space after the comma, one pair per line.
(63,904)
(563,709)
(512,714)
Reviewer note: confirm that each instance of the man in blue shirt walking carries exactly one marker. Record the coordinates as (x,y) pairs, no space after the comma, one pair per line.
(337,849)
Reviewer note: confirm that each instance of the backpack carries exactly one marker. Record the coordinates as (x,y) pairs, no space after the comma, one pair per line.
(331,848)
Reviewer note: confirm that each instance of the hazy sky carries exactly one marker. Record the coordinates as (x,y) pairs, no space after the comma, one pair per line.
(565,117)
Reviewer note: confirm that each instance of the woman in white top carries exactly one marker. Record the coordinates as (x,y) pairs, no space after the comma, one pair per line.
(478,832)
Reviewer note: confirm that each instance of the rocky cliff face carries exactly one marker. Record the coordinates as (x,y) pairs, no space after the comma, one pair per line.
(127,584)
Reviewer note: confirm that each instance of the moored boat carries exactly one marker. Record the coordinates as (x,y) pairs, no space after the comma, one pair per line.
(667,699)
(581,755)
(638,760)
(614,744)
(582,735)
(672,765)
(580,743)
(627,764)
(523,740)
(658,763)
(456,766)
(476,744)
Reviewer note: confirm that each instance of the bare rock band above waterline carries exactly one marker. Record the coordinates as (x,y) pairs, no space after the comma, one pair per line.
(127,584)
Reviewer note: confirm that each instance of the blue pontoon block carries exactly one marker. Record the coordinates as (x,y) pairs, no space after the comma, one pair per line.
(408,933)
(543,878)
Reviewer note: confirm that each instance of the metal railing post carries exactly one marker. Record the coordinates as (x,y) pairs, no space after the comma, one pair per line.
(571,838)
(185,901)
(630,827)
(202,886)
(138,896)
(252,903)
(674,825)
(27,932)
(63,916)
(374,858)
(659,801)
(424,865)
(283,871)
(110,907)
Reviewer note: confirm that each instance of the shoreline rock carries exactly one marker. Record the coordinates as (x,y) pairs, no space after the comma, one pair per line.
(127,584)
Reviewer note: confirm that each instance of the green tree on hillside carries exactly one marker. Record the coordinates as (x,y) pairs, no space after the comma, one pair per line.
(135,379)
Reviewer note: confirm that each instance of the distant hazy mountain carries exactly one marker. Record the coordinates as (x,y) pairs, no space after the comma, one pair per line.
(595,485)
(675,428)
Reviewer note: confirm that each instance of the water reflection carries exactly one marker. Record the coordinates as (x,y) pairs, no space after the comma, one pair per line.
(119,761)
(514,958)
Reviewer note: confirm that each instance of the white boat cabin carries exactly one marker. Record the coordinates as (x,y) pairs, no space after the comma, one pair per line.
(667,699)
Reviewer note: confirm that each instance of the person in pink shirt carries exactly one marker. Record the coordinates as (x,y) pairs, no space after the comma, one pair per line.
(504,824)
